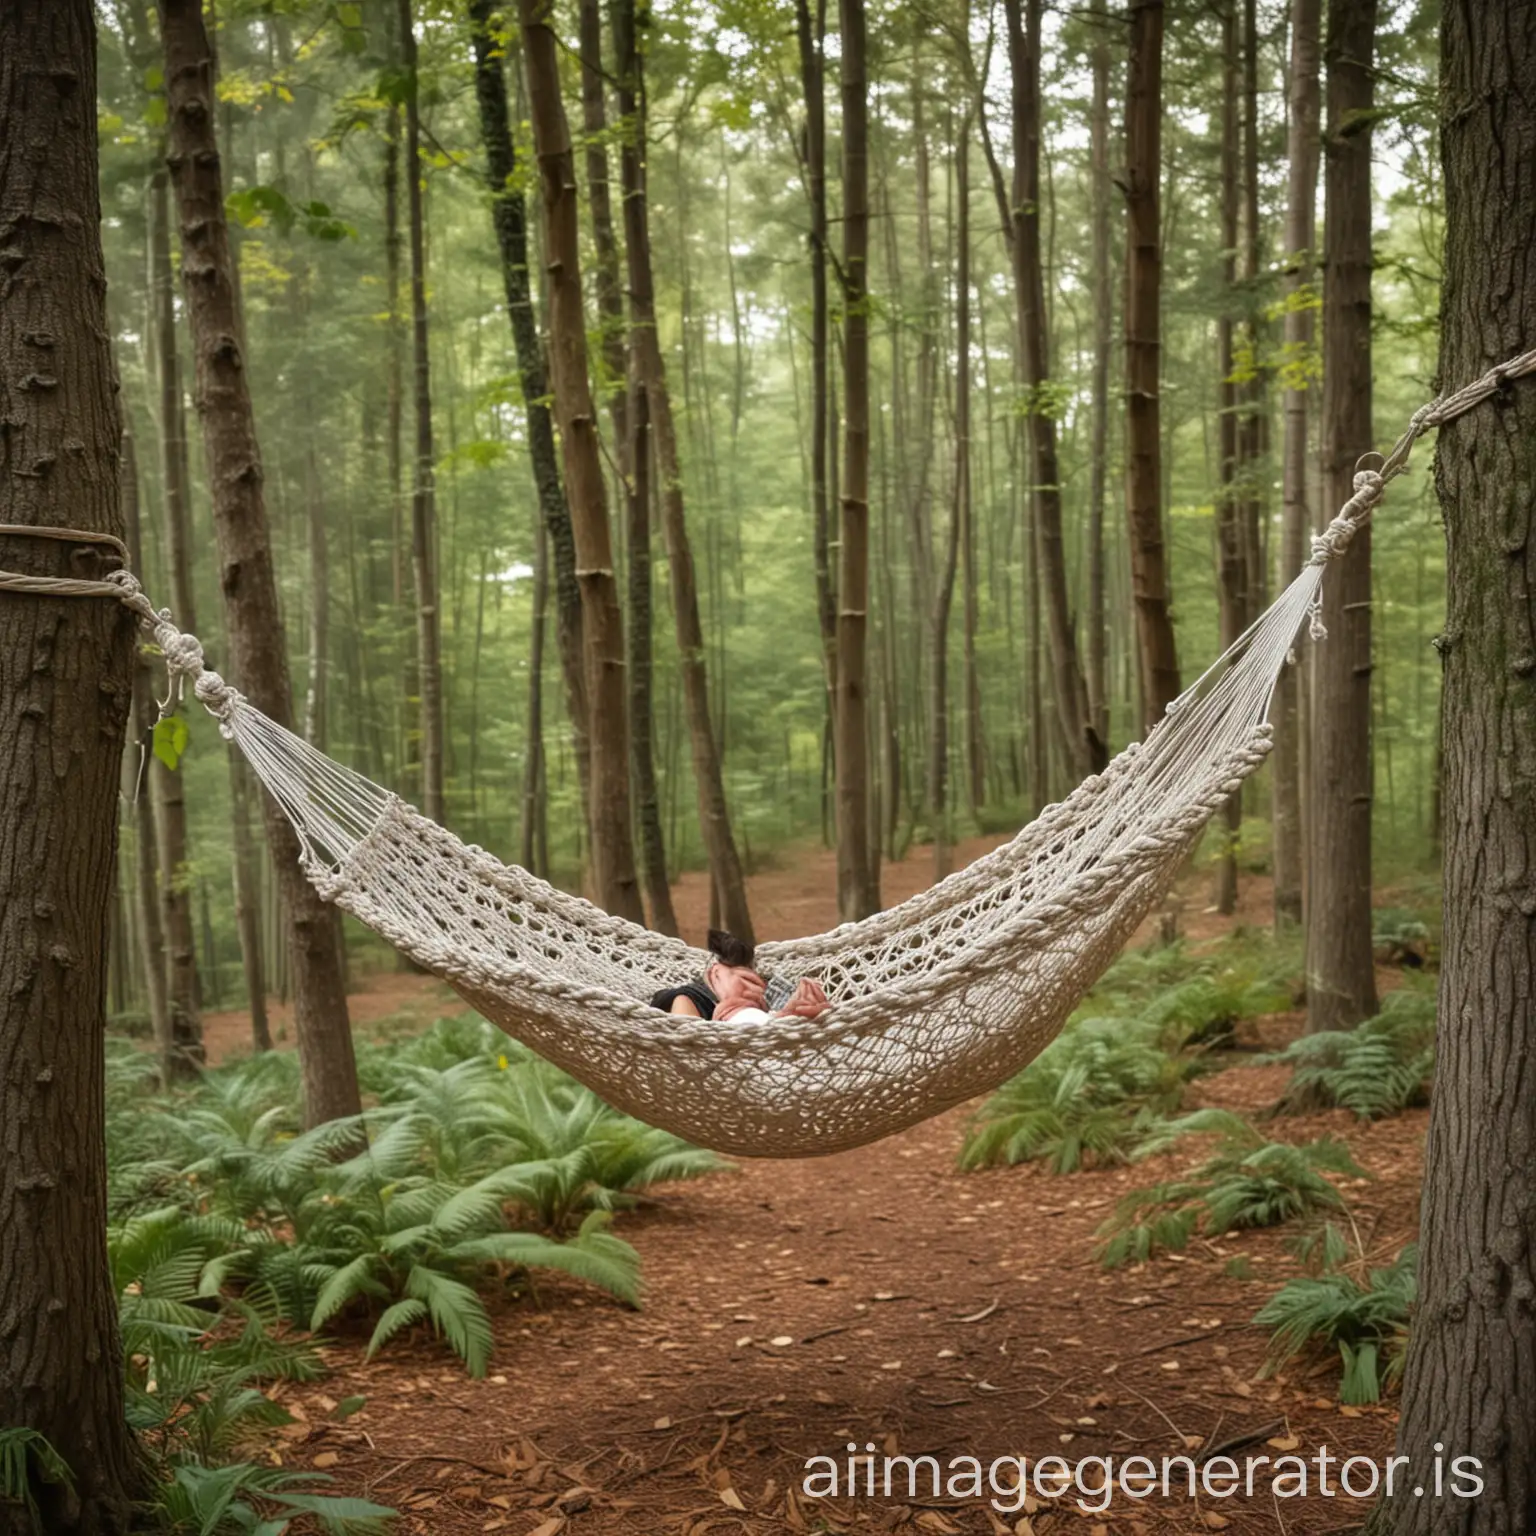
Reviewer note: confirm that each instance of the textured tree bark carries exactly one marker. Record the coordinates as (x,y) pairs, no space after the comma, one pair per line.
(66,683)
(1253,414)
(1470,1384)
(613,854)
(533,763)
(1084,747)
(812,79)
(709,784)
(1341,966)
(260,662)
(1159,653)
(1097,680)
(1231,562)
(1302,150)
(429,658)
(510,217)
(858,892)
(965,509)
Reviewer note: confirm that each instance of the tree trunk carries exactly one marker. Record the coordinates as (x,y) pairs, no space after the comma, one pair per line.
(1341,968)
(637,492)
(244,548)
(1143,350)
(510,217)
(164,784)
(66,683)
(429,663)
(315,700)
(1253,414)
(812,80)
(714,813)
(247,873)
(613,854)
(965,508)
(1302,150)
(605,269)
(1103,342)
(151,935)
(1085,749)
(959,517)
(533,763)
(1231,566)
(1470,1383)
(858,892)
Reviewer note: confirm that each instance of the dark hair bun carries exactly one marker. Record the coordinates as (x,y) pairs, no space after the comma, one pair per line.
(727,947)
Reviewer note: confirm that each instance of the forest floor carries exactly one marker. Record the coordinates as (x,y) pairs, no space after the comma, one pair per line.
(879,1297)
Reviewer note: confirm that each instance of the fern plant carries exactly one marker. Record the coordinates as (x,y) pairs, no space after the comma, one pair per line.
(408,1247)
(1365,1319)
(1247,1182)
(1380,1067)
(1087,1099)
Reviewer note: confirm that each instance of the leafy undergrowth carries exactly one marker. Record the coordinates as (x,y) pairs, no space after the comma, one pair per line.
(1246,1182)
(1349,1306)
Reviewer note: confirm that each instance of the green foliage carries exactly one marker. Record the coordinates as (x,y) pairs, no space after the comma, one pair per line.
(1098,1090)
(1380,1067)
(1246,1182)
(474,1141)
(170,738)
(1085,1100)
(26,1459)
(1365,1319)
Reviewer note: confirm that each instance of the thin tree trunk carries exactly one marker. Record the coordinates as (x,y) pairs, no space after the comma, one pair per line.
(858,892)
(319,604)
(247,873)
(1302,150)
(1253,417)
(959,518)
(165,785)
(812,80)
(1341,967)
(1103,341)
(66,686)
(613,855)
(152,948)
(714,814)
(1158,648)
(975,752)
(533,764)
(244,548)
(510,218)
(1470,1383)
(606,286)
(394,366)
(1231,566)
(1085,749)
(642,748)
(429,663)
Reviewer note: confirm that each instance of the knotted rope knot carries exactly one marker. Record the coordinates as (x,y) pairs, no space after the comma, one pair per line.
(1334,539)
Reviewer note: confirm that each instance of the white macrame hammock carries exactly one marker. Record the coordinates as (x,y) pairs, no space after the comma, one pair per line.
(934,1001)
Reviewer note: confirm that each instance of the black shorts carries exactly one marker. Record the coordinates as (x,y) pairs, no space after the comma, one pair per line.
(696,993)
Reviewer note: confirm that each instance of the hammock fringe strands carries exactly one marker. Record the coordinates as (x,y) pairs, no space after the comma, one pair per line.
(934,1001)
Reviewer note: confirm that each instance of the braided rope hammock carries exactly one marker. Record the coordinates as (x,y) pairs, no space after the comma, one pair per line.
(934,1001)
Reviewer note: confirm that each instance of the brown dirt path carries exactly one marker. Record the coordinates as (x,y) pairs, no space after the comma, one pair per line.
(878,1297)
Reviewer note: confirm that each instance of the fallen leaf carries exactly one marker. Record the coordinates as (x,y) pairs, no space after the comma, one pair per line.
(1025,1527)
(1214,1521)
(551,1527)
(325,1459)
(1284,1442)
(783,1341)
(662,1423)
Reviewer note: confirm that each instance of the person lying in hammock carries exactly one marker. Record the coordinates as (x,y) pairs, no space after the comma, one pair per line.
(732,991)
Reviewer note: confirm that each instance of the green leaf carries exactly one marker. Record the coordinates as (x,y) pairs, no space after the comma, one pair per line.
(155,114)
(170,740)
(154,78)
(350,15)
(348,1406)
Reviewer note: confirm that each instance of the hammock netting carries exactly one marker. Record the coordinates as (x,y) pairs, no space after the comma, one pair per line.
(933,1001)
